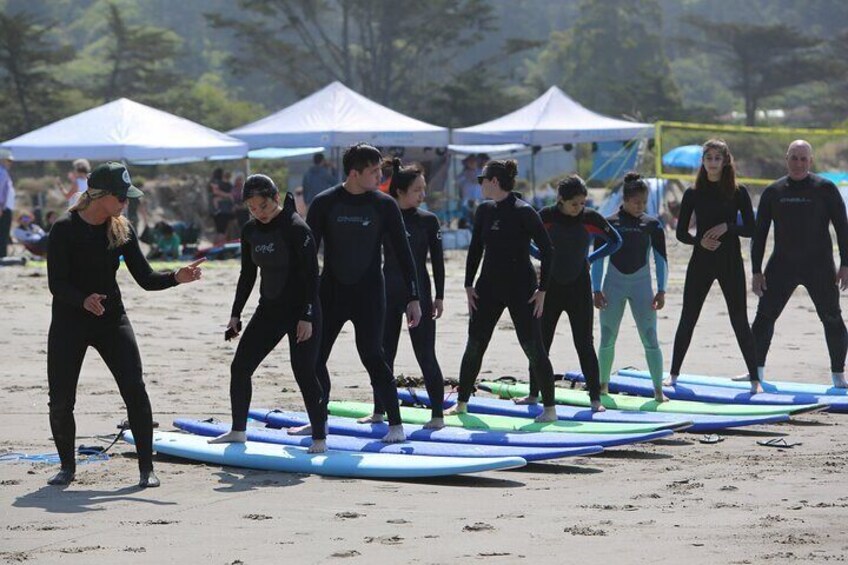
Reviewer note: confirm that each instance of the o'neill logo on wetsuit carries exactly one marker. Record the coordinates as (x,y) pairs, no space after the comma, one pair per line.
(307,241)
(264,248)
(496,226)
(795,200)
(354,220)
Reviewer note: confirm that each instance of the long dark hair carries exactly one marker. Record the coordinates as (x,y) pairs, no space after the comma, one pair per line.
(727,183)
(572,186)
(403,177)
(505,170)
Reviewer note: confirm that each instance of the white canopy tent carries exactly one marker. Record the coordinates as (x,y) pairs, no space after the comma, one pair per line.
(552,119)
(124,130)
(336,116)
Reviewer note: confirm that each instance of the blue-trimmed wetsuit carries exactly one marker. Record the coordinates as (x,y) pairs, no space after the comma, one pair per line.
(802,212)
(628,279)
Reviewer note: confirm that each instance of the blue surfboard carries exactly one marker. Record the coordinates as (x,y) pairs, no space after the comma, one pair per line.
(701,393)
(696,423)
(349,427)
(777,387)
(349,443)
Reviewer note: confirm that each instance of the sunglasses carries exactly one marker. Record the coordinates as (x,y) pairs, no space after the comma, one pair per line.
(481,178)
(122,199)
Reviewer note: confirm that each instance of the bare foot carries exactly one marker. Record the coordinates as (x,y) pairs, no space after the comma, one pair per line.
(659,396)
(395,434)
(672,381)
(548,415)
(458,408)
(745,377)
(318,446)
(756,387)
(526,400)
(374,418)
(839,380)
(597,406)
(301,430)
(232,436)
(435,424)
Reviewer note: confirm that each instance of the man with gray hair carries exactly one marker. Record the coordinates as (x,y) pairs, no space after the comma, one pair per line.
(7,199)
(802,206)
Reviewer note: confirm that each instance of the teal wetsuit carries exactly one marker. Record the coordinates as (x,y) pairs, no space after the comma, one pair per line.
(628,279)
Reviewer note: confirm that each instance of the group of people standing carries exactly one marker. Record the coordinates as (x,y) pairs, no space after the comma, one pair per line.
(376,247)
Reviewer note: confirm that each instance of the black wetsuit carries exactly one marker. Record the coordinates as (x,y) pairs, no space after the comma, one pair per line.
(79,264)
(570,289)
(508,280)
(425,236)
(285,253)
(711,208)
(803,255)
(353,227)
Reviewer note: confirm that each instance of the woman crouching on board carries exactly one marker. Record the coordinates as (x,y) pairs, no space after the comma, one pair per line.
(408,187)
(628,279)
(280,244)
(84,254)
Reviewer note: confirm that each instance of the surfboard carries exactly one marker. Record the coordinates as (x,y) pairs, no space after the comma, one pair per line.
(697,422)
(501,423)
(209,428)
(798,403)
(623,402)
(776,387)
(291,459)
(349,427)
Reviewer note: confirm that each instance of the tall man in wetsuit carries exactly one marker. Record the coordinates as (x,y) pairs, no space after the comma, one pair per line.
(802,206)
(352,219)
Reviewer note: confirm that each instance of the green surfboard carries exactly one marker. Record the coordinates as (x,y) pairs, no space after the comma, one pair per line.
(624,402)
(500,423)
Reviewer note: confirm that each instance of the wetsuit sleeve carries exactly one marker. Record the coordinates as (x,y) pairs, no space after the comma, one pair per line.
(437,256)
(660,257)
(539,235)
(475,248)
(59,266)
(306,267)
(247,277)
(758,242)
(839,218)
(749,225)
(315,220)
(686,208)
(597,275)
(599,227)
(400,244)
(142,272)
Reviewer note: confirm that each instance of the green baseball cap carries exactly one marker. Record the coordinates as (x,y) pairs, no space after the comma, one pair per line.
(114,178)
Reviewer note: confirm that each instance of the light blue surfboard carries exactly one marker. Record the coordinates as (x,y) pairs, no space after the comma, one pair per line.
(290,459)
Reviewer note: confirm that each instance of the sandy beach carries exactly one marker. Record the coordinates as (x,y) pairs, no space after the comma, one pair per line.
(670,501)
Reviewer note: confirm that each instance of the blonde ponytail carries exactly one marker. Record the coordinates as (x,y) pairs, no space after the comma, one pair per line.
(117,229)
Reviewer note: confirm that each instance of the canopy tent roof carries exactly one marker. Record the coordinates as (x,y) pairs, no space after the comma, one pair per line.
(551,119)
(128,131)
(336,116)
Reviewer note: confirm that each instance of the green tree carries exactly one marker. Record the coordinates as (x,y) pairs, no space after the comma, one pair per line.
(140,60)
(763,60)
(612,60)
(28,62)
(386,50)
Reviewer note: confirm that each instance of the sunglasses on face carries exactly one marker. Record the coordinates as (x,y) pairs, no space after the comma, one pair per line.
(122,199)
(481,178)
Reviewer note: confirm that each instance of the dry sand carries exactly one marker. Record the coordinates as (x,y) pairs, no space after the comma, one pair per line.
(668,502)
